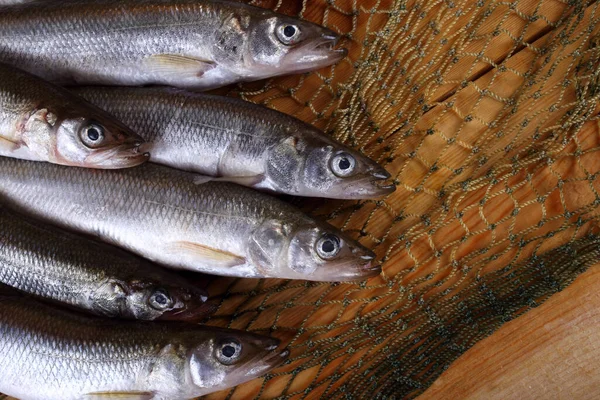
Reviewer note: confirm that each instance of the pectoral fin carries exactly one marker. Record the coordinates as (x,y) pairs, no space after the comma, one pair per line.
(20,150)
(211,256)
(243,180)
(174,64)
(249,181)
(232,168)
(7,145)
(201,179)
(119,396)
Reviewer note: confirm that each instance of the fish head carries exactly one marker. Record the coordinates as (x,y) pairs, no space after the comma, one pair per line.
(261,44)
(310,164)
(309,250)
(81,136)
(229,357)
(168,302)
(152,300)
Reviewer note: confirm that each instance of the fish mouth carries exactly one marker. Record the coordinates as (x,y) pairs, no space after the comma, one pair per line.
(318,53)
(123,156)
(276,358)
(258,365)
(366,268)
(361,272)
(263,363)
(267,359)
(327,43)
(194,314)
(359,266)
(380,189)
(379,182)
(372,186)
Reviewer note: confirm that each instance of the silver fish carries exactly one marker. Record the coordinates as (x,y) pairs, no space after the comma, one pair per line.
(63,267)
(241,142)
(199,44)
(42,122)
(51,354)
(179,220)
(11,2)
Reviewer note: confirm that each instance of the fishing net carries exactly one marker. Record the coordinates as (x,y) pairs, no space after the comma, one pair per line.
(485,112)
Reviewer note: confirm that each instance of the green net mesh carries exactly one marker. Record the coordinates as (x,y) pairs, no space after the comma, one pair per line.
(486,114)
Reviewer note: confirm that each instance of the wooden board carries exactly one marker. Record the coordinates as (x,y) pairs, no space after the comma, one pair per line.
(413,199)
(552,352)
(509,31)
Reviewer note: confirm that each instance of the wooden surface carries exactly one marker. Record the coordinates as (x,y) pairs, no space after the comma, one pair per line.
(481,91)
(548,353)
(552,352)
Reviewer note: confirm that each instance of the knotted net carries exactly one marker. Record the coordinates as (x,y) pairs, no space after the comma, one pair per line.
(486,114)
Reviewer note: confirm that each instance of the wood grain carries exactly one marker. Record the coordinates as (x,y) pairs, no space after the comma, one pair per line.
(551,352)
(484,100)
(414,197)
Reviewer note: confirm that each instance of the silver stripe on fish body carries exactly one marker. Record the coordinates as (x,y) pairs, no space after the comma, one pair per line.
(43,122)
(183,43)
(12,2)
(241,142)
(63,267)
(174,218)
(51,354)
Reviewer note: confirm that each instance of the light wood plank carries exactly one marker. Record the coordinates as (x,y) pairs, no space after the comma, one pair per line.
(552,352)
(445,240)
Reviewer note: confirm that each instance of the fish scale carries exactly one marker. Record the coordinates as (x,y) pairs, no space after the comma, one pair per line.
(165,215)
(63,267)
(40,121)
(133,42)
(60,363)
(239,142)
(47,353)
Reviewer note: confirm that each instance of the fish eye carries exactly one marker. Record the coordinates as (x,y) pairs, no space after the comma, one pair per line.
(328,246)
(288,34)
(289,31)
(92,135)
(343,165)
(229,352)
(160,300)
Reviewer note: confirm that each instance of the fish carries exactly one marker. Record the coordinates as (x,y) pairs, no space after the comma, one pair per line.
(40,121)
(185,221)
(11,2)
(190,44)
(241,142)
(65,268)
(47,353)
